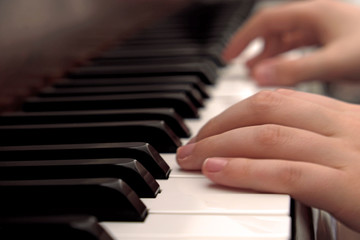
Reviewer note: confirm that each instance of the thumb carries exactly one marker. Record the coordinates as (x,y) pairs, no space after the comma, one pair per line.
(286,72)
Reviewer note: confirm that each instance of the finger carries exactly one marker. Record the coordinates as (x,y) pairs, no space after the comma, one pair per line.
(264,141)
(312,184)
(272,47)
(275,45)
(281,71)
(324,101)
(269,107)
(343,108)
(283,19)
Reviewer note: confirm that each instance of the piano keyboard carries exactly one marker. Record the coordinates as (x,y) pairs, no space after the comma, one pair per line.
(94,154)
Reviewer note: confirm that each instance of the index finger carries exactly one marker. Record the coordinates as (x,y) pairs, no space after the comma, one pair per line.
(268,21)
(272,107)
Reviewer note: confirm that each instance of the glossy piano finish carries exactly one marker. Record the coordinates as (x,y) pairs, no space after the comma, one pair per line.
(40,39)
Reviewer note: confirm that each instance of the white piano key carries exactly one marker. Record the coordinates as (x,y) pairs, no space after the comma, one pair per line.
(191,207)
(176,171)
(201,196)
(202,227)
(190,191)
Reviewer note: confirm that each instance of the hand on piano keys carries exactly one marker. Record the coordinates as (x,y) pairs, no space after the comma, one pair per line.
(268,145)
(83,138)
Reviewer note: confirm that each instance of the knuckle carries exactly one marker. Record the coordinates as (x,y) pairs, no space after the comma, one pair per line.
(262,17)
(264,102)
(270,135)
(286,91)
(265,13)
(239,170)
(289,72)
(246,168)
(209,129)
(213,123)
(290,177)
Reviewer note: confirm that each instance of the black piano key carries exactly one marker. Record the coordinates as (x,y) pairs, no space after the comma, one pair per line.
(99,82)
(142,152)
(217,18)
(157,133)
(125,61)
(107,199)
(171,33)
(55,227)
(192,93)
(179,101)
(158,39)
(212,53)
(184,35)
(128,170)
(168,115)
(206,71)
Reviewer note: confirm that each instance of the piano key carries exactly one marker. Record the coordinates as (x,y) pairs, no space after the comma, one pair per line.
(161,80)
(156,60)
(212,53)
(168,115)
(192,93)
(171,33)
(196,194)
(215,15)
(158,39)
(168,41)
(205,70)
(108,199)
(200,195)
(153,61)
(55,227)
(179,101)
(178,34)
(201,227)
(176,43)
(188,35)
(128,170)
(157,133)
(142,152)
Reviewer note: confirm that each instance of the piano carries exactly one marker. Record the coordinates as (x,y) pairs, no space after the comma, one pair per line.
(95,97)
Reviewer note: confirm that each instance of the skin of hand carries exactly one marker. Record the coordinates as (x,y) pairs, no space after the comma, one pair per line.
(288,142)
(330,25)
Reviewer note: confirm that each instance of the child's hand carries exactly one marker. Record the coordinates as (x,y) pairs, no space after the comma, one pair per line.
(296,143)
(331,25)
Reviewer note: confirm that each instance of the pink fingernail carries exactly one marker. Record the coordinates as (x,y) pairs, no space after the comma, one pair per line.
(192,140)
(265,74)
(215,164)
(184,151)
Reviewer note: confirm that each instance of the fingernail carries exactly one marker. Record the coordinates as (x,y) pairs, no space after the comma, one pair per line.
(265,74)
(192,140)
(183,152)
(226,55)
(285,91)
(215,164)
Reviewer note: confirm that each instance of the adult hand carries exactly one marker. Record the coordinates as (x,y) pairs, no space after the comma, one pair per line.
(331,25)
(284,141)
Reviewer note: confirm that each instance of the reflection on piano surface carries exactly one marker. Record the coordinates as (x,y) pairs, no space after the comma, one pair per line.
(93,110)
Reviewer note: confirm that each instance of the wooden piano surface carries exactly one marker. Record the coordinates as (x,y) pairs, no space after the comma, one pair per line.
(43,39)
